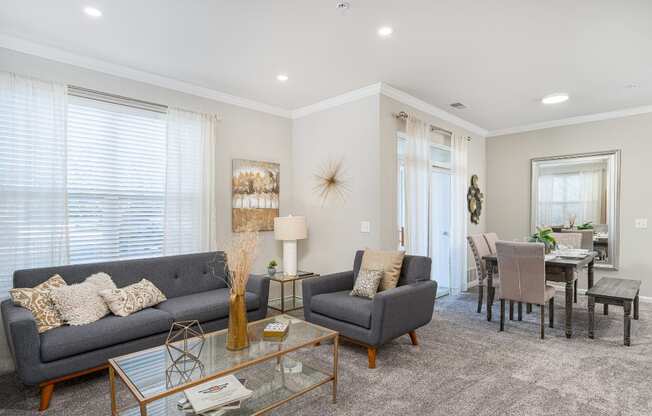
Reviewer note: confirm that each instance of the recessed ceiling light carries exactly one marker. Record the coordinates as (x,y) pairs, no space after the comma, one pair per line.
(282,77)
(385,31)
(631,86)
(92,12)
(556,98)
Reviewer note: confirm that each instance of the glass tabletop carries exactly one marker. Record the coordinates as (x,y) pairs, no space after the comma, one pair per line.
(282,277)
(154,371)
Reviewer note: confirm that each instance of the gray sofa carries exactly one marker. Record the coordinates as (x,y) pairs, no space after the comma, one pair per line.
(368,322)
(187,281)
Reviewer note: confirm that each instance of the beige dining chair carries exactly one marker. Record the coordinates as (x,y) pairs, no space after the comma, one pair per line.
(570,240)
(523,278)
(491,239)
(479,248)
(587,237)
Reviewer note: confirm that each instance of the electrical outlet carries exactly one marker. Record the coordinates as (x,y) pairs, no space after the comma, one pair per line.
(365,227)
(641,223)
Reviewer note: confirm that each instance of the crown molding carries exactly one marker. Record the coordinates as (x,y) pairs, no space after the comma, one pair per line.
(60,55)
(421,105)
(348,97)
(572,120)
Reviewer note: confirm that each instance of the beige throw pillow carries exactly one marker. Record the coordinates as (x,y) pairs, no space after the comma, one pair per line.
(132,298)
(81,303)
(39,302)
(390,262)
(366,284)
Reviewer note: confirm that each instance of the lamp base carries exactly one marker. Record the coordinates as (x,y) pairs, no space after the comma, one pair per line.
(290,257)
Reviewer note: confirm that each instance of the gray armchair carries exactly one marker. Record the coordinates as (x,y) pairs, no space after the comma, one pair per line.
(372,322)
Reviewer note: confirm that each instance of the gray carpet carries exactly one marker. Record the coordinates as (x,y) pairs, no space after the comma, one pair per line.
(463,366)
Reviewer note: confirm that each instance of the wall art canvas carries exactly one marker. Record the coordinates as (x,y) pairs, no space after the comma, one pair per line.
(255,195)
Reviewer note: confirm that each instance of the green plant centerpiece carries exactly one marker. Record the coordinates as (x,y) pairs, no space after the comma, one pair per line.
(544,235)
(271,268)
(585,226)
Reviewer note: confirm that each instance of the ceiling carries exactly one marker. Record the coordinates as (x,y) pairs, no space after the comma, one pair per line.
(497,57)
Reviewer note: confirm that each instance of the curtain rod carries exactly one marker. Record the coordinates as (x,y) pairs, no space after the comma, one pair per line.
(403,116)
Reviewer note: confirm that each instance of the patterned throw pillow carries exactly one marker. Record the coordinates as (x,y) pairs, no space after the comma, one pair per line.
(132,298)
(81,303)
(39,302)
(390,262)
(366,285)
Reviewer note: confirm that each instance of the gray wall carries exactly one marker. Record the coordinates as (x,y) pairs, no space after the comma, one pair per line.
(242,133)
(508,187)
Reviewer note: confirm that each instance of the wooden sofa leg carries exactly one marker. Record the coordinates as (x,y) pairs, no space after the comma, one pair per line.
(413,337)
(46,395)
(371,354)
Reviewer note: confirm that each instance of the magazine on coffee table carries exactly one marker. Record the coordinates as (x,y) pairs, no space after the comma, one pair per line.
(215,394)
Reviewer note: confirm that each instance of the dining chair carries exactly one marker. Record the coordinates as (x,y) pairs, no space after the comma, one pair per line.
(523,279)
(491,239)
(571,240)
(587,238)
(480,248)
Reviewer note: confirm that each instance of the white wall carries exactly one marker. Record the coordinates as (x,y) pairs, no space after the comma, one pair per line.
(348,133)
(508,188)
(242,133)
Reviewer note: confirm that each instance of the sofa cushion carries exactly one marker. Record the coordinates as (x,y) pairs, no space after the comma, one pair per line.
(343,307)
(204,307)
(67,341)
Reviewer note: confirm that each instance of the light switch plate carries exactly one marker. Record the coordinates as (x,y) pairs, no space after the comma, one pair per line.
(641,223)
(365,227)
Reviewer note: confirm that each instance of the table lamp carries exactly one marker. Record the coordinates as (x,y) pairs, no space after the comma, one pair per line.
(290,229)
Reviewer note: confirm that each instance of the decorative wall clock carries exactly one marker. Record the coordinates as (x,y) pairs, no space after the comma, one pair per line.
(475,198)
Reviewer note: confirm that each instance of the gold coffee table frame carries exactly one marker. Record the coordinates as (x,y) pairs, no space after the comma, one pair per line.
(116,370)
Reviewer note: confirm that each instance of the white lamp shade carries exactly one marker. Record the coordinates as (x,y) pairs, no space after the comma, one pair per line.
(290,228)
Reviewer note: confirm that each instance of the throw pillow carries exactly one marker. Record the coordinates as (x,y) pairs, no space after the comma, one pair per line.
(39,302)
(390,262)
(366,284)
(132,298)
(81,303)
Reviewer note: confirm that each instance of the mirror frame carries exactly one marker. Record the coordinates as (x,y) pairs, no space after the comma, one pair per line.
(613,195)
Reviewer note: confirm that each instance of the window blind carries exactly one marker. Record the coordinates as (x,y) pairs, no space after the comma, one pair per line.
(116,181)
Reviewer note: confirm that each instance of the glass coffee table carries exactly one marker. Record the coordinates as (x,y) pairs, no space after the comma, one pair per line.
(274,370)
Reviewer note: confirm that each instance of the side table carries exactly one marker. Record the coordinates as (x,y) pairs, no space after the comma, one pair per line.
(288,303)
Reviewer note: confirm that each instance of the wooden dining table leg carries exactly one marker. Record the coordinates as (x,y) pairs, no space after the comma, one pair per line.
(591,316)
(569,302)
(520,311)
(589,274)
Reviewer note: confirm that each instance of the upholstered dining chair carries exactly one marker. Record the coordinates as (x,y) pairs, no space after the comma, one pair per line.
(491,239)
(570,240)
(522,271)
(587,238)
(480,248)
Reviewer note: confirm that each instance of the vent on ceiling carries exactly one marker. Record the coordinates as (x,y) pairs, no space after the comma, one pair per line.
(458,106)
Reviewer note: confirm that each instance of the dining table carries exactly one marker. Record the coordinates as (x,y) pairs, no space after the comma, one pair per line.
(558,269)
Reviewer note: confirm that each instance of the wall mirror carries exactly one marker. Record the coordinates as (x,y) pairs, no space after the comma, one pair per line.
(580,194)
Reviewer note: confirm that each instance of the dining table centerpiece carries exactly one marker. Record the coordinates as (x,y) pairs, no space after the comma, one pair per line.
(240,255)
(544,235)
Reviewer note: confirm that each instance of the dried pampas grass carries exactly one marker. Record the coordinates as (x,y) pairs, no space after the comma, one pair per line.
(240,255)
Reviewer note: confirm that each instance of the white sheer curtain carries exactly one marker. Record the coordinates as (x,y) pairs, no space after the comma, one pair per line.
(190,218)
(459,214)
(33,215)
(565,194)
(417,187)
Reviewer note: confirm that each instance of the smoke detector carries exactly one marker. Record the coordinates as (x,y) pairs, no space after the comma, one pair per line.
(458,106)
(343,6)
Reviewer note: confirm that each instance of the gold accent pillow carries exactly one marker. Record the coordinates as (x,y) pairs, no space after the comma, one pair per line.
(132,298)
(39,302)
(390,262)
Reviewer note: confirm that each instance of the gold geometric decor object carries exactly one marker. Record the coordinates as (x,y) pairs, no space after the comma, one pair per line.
(330,181)
(255,195)
(179,373)
(474,198)
(185,342)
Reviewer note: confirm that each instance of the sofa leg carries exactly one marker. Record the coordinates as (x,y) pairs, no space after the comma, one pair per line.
(413,337)
(371,354)
(46,395)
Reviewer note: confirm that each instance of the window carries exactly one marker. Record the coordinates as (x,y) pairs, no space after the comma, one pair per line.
(116,180)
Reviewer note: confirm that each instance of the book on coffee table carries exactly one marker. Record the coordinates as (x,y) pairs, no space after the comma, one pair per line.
(276,330)
(216,394)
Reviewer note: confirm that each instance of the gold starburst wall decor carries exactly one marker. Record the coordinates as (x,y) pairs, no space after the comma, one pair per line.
(330,181)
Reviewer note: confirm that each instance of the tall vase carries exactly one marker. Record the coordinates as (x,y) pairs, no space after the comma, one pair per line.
(237,338)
